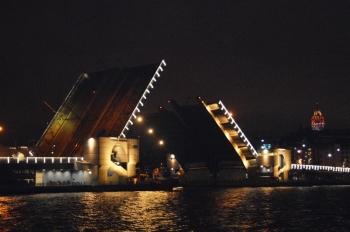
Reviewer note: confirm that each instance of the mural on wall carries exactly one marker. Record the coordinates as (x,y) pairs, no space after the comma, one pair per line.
(119,155)
(282,163)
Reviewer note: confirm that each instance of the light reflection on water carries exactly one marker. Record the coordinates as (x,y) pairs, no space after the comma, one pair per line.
(240,209)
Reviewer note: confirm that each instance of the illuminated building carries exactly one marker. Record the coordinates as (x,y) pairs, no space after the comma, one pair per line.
(317,120)
(274,163)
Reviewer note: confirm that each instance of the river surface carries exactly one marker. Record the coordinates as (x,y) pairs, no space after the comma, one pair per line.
(324,208)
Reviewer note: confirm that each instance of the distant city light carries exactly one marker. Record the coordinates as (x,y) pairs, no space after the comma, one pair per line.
(266,146)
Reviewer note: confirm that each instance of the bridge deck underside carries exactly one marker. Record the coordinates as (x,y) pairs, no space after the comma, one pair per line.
(194,136)
(237,139)
(100,105)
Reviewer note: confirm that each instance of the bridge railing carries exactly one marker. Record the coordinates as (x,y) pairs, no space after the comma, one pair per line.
(319,168)
(145,93)
(237,128)
(34,160)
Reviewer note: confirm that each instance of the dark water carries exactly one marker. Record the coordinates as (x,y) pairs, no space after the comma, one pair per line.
(242,209)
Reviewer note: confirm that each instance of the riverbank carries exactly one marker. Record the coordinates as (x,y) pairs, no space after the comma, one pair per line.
(195,185)
(21,190)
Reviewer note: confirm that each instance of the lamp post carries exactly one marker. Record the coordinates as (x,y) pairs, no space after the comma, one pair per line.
(139,120)
(330,156)
(161,151)
(1,129)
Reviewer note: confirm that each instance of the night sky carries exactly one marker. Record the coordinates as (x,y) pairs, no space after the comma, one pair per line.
(268,61)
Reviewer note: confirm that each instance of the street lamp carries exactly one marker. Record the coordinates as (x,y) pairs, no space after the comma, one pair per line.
(139,120)
(330,156)
(1,129)
(53,149)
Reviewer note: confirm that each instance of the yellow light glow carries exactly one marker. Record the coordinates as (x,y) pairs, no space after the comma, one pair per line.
(150,131)
(139,119)
(161,142)
(91,142)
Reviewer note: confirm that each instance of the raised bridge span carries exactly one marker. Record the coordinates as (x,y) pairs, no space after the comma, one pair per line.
(203,135)
(233,133)
(99,104)
(107,103)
